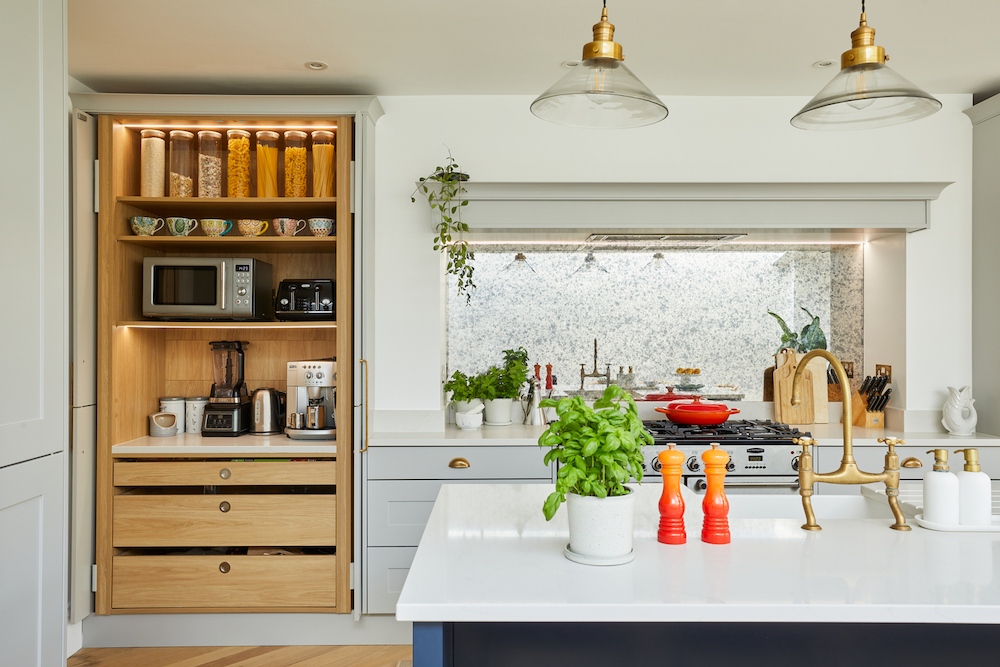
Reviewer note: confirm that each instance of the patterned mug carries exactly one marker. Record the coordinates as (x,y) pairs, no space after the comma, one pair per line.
(321,226)
(215,226)
(145,226)
(288,226)
(252,227)
(181,226)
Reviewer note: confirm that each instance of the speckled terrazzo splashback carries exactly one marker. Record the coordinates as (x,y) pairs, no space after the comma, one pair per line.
(708,310)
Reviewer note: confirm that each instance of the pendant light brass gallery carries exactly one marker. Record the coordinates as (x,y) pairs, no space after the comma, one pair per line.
(600,92)
(865,94)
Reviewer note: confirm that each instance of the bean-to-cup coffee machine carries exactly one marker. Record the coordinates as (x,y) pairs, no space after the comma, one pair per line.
(312,400)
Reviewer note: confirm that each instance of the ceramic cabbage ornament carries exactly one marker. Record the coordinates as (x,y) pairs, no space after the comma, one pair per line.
(959,416)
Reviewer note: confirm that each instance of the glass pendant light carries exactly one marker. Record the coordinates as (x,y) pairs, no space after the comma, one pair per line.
(600,92)
(658,265)
(865,94)
(519,266)
(590,267)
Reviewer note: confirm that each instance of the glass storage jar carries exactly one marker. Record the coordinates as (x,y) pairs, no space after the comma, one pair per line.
(209,164)
(238,172)
(323,148)
(152,157)
(295,163)
(181,163)
(267,164)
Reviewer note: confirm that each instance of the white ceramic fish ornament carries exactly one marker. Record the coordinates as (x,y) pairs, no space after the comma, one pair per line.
(959,416)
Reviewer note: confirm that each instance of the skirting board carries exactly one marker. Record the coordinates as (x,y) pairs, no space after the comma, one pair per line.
(143,630)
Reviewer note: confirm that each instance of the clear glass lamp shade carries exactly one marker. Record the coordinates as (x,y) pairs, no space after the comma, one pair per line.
(600,93)
(658,265)
(862,97)
(519,266)
(590,267)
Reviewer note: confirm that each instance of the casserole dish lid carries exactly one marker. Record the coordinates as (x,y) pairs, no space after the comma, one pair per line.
(697,407)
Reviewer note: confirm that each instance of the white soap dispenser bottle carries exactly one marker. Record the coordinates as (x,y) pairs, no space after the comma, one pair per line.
(941,492)
(975,492)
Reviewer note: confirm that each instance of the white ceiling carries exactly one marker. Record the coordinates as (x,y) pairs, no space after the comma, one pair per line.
(480,47)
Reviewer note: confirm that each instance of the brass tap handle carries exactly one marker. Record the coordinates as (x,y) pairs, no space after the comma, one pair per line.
(912,462)
(805,442)
(892,441)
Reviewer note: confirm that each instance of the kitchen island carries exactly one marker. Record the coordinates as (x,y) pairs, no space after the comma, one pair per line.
(489,585)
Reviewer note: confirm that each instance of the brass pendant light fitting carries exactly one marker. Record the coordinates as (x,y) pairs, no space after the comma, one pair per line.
(863,49)
(604,45)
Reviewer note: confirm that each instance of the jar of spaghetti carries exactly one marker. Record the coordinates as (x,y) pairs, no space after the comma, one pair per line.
(209,164)
(267,164)
(323,151)
(238,172)
(295,163)
(181,163)
(152,157)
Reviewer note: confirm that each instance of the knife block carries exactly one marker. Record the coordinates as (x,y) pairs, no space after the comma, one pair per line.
(860,415)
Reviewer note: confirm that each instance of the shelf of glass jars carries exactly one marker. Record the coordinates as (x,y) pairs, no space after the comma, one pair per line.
(231,208)
(234,242)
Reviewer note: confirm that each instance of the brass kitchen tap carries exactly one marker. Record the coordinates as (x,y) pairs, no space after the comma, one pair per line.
(848,472)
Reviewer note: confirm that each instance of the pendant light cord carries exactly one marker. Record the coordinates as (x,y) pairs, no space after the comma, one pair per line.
(862,6)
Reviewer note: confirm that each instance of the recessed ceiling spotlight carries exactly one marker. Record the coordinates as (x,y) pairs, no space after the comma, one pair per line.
(823,64)
(568,64)
(316,65)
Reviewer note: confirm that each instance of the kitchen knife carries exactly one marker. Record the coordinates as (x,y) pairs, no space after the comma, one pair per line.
(883,401)
(864,385)
(882,382)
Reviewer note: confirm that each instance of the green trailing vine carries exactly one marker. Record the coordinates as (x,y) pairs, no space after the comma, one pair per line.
(448,200)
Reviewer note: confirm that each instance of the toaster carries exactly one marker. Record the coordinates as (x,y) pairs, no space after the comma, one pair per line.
(306,300)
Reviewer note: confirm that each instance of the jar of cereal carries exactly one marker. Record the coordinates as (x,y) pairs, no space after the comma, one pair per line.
(152,156)
(209,164)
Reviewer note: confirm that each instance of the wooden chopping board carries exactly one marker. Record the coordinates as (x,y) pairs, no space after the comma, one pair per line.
(784,411)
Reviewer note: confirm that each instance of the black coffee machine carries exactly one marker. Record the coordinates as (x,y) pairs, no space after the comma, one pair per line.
(228,412)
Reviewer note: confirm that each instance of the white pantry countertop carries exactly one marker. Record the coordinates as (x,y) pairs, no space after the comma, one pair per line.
(195,445)
(488,554)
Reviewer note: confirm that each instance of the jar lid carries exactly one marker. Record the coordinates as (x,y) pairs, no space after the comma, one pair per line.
(147,134)
(172,398)
(322,134)
(209,134)
(181,134)
(267,135)
(295,134)
(238,133)
(198,398)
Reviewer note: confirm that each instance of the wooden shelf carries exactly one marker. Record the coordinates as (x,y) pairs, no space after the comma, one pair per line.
(228,324)
(233,242)
(232,208)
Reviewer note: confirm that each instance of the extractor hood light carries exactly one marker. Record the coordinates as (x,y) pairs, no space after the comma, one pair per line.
(658,265)
(865,94)
(600,92)
(590,267)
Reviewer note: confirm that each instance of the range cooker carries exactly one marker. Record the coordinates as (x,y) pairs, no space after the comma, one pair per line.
(762,455)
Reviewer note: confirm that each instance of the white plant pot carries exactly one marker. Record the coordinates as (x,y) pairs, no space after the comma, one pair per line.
(465,406)
(498,411)
(600,528)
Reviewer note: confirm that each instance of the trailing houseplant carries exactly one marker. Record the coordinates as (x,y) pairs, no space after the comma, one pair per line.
(448,198)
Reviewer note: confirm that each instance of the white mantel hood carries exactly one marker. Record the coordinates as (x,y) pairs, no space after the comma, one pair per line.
(762,211)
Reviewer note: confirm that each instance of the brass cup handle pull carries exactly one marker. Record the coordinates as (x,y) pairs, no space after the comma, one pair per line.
(224,567)
(225,473)
(912,462)
(224,506)
(459,463)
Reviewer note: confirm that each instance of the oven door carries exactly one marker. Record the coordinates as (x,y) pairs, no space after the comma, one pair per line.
(187,287)
(739,484)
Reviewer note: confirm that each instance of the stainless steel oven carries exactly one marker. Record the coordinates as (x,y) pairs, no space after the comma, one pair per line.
(207,288)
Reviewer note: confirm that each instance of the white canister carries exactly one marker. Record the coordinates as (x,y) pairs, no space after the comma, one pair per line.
(194,413)
(174,404)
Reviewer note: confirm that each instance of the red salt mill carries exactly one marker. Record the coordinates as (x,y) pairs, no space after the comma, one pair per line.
(671,529)
(715,529)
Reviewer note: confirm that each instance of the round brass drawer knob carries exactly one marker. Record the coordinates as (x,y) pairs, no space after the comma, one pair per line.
(224,567)
(459,463)
(225,473)
(224,506)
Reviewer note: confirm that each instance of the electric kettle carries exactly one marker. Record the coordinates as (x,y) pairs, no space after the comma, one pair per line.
(268,406)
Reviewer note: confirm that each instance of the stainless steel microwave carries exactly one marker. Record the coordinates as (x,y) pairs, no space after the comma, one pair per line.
(206,288)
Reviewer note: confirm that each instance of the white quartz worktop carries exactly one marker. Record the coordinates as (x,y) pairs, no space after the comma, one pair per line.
(833,434)
(488,554)
(195,445)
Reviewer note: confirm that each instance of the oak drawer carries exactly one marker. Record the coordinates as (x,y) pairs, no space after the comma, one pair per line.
(224,473)
(224,520)
(200,582)
(439,462)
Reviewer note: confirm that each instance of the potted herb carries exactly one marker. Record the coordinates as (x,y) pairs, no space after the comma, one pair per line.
(447,198)
(466,391)
(599,450)
(502,384)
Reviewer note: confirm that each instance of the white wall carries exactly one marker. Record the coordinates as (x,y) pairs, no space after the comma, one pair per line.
(705,139)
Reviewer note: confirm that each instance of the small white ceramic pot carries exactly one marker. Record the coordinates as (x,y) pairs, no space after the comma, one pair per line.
(601,527)
(469,422)
(465,406)
(498,411)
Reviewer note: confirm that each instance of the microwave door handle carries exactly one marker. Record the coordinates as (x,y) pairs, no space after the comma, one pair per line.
(222,287)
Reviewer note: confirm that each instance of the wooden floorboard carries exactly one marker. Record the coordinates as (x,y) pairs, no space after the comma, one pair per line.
(243,656)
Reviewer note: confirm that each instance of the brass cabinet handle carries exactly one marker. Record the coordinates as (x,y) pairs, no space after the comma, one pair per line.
(224,567)
(912,462)
(224,506)
(459,463)
(225,473)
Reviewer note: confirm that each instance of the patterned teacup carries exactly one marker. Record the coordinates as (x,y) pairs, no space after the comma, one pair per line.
(145,226)
(288,226)
(252,227)
(181,226)
(321,226)
(215,226)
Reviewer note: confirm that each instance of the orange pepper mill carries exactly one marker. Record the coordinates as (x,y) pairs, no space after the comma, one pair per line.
(715,529)
(671,529)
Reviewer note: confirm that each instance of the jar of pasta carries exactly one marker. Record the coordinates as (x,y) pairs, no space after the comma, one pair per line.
(181,163)
(238,173)
(323,148)
(295,163)
(209,164)
(152,157)
(267,164)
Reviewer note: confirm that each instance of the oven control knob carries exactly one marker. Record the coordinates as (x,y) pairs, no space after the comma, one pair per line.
(693,465)
(730,466)
(700,485)
(656,464)
(795,464)
(242,291)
